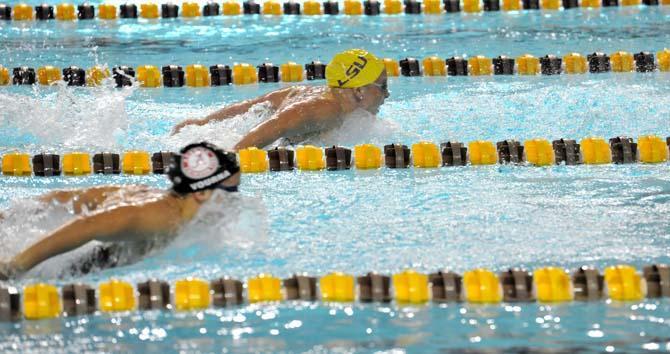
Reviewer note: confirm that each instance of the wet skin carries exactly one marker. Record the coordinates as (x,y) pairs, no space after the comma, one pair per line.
(301,111)
(111,214)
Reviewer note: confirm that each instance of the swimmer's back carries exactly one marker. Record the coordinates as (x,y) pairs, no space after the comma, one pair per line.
(93,198)
(133,194)
(292,95)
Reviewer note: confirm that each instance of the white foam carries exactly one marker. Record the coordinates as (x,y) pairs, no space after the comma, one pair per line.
(67,118)
(226,220)
(357,127)
(224,133)
(26,222)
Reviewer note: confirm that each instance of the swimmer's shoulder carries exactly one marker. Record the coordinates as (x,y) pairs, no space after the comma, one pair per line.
(306,91)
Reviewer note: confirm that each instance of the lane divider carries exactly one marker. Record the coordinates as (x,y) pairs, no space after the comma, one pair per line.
(197,75)
(648,149)
(408,287)
(191,10)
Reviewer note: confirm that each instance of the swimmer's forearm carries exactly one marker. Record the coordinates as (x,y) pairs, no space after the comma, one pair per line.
(250,140)
(295,120)
(72,235)
(263,135)
(308,117)
(222,114)
(49,247)
(273,98)
(229,112)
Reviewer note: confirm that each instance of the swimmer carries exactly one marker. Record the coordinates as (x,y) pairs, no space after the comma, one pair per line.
(134,215)
(356,80)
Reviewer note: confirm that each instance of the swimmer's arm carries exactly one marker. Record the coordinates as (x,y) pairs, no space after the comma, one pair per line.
(108,225)
(298,119)
(233,110)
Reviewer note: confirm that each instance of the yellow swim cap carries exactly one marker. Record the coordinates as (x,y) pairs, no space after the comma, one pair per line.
(353,68)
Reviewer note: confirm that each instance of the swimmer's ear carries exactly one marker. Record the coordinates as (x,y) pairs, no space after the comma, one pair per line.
(358,94)
(202,196)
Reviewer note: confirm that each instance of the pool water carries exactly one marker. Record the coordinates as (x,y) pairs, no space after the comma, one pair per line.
(359,221)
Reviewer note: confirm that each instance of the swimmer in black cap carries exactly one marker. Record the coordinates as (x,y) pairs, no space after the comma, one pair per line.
(134,214)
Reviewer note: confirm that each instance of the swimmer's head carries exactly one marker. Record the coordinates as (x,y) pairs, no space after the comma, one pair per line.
(363,72)
(203,167)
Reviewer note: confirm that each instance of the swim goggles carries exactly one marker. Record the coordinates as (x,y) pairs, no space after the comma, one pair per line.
(383,87)
(229,189)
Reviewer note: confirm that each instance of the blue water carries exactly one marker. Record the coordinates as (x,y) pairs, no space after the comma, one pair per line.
(357,221)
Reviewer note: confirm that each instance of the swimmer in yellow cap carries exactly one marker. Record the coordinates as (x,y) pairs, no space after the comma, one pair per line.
(356,80)
(131,219)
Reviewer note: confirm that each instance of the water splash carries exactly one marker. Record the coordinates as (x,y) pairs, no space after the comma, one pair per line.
(62,117)
(226,220)
(26,222)
(224,133)
(362,126)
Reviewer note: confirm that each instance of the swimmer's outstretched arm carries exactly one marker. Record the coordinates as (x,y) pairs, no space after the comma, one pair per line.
(131,222)
(301,118)
(236,109)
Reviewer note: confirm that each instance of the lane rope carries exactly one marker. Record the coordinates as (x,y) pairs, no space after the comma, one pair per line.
(648,149)
(198,75)
(191,10)
(479,286)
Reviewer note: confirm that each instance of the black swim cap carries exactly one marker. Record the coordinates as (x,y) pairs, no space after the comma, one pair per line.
(201,166)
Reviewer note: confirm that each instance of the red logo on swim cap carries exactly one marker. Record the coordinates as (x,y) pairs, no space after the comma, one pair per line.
(199,162)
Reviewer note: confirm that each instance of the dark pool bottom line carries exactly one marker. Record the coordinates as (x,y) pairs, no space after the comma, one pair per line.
(479,286)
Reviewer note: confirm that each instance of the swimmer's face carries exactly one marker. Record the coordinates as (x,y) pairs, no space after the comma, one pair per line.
(373,95)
